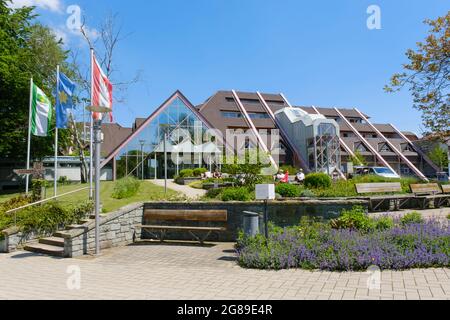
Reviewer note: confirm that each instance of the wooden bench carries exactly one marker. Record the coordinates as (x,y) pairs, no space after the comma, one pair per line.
(375,202)
(426,193)
(160,220)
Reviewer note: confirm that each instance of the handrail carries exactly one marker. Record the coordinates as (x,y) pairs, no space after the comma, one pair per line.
(45,200)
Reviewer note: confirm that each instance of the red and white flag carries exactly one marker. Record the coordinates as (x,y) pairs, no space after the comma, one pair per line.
(101,89)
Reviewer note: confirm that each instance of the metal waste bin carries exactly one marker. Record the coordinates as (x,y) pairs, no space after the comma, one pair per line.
(251,223)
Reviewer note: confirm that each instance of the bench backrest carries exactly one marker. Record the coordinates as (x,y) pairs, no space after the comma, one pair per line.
(186,215)
(428,188)
(384,187)
(445,188)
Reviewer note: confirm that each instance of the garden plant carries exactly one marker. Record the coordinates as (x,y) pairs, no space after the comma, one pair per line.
(353,242)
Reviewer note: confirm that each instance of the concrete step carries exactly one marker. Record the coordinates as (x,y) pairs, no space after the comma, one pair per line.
(74,226)
(53,241)
(45,249)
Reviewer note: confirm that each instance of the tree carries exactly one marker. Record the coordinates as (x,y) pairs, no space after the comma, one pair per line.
(247,173)
(26,50)
(358,159)
(440,157)
(428,76)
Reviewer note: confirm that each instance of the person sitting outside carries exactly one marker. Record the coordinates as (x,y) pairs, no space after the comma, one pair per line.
(279,177)
(208,175)
(300,177)
(217,175)
(285,178)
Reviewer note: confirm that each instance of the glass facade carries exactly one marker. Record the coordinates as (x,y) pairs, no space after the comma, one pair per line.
(143,156)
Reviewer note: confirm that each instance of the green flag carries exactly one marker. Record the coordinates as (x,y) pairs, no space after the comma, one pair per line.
(41,113)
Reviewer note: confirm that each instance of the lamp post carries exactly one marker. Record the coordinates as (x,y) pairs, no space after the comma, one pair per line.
(166,136)
(142,142)
(97,145)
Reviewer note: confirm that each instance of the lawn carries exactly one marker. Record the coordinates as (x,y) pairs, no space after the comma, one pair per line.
(147,192)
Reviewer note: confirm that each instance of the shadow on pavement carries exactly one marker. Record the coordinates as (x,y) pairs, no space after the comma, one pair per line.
(172,244)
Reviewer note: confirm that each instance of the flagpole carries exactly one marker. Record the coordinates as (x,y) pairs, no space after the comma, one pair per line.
(29,137)
(55,179)
(91,134)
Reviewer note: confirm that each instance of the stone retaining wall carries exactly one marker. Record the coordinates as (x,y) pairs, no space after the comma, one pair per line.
(13,239)
(116,229)
(281,213)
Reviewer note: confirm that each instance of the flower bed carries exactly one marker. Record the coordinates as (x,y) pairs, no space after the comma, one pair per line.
(316,245)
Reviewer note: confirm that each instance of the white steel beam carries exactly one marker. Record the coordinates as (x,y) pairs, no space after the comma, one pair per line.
(342,142)
(417,149)
(253,128)
(283,133)
(391,145)
(363,140)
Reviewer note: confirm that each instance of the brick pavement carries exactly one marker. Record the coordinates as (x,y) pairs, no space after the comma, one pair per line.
(154,271)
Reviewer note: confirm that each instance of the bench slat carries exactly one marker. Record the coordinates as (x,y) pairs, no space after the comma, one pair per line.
(429,188)
(186,215)
(378,187)
(446,188)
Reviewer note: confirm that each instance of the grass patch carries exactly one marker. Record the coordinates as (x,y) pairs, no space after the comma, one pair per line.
(126,188)
(147,192)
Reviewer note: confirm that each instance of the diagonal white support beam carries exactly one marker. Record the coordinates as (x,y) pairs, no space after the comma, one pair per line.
(283,133)
(363,140)
(417,149)
(253,128)
(342,142)
(391,145)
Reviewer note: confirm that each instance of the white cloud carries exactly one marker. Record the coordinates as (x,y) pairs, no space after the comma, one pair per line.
(52,5)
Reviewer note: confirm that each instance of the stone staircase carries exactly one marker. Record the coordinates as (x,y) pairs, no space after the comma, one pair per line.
(52,246)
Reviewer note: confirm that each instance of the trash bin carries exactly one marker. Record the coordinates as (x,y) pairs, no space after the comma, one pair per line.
(251,223)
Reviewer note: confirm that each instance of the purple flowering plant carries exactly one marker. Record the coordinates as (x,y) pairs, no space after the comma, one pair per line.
(318,245)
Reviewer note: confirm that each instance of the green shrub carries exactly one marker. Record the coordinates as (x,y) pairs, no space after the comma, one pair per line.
(199,171)
(63,180)
(318,181)
(355,218)
(306,193)
(288,190)
(384,223)
(14,203)
(412,218)
(50,217)
(186,173)
(126,188)
(236,194)
(214,193)
(448,217)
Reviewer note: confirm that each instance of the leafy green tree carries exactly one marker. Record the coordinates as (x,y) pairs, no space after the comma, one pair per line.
(427,75)
(248,173)
(440,157)
(358,159)
(27,50)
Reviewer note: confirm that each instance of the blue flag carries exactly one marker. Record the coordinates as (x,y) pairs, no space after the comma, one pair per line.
(63,100)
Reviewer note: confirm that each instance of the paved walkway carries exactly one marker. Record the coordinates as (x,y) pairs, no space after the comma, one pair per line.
(437,214)
(154,271)
(189,192)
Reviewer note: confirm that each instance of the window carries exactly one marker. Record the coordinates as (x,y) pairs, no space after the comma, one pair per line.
(384,147)
(258,115)
(406,147)
(232,114)
(360,147)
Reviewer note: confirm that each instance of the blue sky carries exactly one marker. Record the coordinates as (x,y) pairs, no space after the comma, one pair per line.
(315,52)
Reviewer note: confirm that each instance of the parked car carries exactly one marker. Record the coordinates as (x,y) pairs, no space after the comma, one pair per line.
(378,171)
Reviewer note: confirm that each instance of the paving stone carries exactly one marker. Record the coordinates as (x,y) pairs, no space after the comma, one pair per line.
(195,272)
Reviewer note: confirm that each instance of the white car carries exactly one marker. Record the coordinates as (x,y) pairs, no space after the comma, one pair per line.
(378,171)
